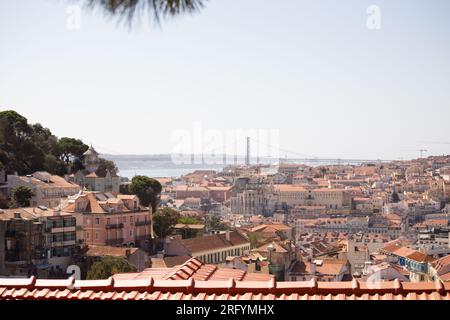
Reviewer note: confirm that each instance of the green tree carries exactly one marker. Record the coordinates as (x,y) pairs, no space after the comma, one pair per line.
(70,148)
(147,189)
(22,195)
(395,197)
(109,266)
(215,223)
(164,220)
(255,239)
(26,148)
(18,151)
(187,232)
(106,165)
(189,220)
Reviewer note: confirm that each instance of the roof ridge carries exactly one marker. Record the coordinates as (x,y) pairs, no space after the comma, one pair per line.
(211,272)
(110,283)
(186,265)
(145,289)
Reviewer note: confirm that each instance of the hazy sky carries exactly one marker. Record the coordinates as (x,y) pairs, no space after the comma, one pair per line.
(311,69)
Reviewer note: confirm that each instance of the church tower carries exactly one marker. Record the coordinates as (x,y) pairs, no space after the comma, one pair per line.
(91,161)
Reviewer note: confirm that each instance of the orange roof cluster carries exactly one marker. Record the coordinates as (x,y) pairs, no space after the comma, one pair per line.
(151,289)
(95,250)
(215,241)
(197,270)
(406,252)
(55,182)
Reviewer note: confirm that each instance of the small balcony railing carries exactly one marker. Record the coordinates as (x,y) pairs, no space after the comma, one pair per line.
(114,226)
(141,223)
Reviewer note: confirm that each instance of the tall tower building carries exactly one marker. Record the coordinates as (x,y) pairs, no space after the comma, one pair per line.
(91,161)
(247,155)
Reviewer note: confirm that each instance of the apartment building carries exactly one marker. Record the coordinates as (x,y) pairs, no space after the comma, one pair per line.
(414,261)
(22,243)
(111,220)
(213,248)
(49,190)
(47,236)
(184,191)
(295,195)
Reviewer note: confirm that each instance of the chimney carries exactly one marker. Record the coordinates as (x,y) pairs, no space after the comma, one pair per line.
(312,267)
(227,235)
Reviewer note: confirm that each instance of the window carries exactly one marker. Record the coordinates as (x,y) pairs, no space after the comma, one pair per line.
(131,219)
(96,236)
(97,220)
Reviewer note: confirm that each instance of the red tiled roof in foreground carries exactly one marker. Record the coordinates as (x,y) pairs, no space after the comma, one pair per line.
(197,270)
(150,289)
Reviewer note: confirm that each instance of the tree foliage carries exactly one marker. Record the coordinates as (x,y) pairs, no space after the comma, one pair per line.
(21,196)
(26,148)
(106,165)
(155,10)
(147,189)
(19,149)
(215,223)
(187,232)
(71,148)
(255,239)
(189,220)
(109,266)
(164,220)
(395,197)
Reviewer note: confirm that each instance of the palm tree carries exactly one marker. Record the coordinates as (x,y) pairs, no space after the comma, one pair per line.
(129,10)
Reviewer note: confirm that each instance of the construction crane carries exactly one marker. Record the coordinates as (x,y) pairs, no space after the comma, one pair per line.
(421,151)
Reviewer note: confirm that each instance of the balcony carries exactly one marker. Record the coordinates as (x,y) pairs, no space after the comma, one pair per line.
(114,226)
(63,229)
(141,223)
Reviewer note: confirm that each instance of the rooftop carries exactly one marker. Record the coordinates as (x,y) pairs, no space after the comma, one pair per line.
(194,269)
(215,241)
(153,289)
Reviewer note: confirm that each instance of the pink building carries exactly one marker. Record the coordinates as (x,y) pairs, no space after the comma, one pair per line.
(111,220)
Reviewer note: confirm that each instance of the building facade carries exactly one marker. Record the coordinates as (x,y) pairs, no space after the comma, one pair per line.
(49,190)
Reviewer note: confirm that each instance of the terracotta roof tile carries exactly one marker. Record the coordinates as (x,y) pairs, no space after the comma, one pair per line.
(224,285)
